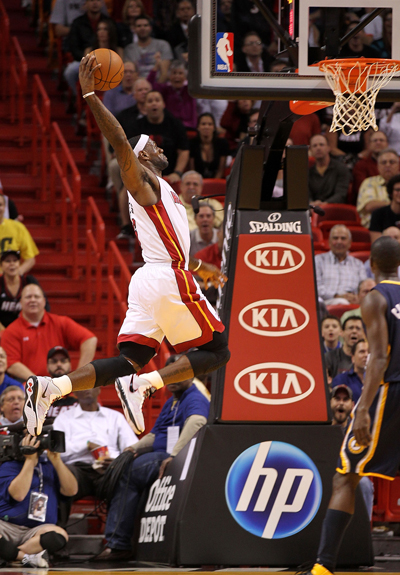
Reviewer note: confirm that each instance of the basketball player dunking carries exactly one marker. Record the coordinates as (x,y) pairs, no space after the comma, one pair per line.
(371,445)
(164,299)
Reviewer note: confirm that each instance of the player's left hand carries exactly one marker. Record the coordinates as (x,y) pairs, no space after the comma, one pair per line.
(361,428)
(211,275)
(86,71)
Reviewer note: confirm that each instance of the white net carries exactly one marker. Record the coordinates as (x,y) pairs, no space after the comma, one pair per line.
(356,85)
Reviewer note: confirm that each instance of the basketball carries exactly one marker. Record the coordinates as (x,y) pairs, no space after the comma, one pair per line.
(111,72)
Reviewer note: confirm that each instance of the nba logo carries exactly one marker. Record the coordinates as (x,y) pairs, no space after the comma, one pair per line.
(224,52)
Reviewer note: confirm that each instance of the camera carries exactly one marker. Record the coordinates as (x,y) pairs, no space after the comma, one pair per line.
(10,444)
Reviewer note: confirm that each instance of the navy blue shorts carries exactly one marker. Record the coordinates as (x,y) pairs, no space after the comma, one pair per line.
(382,457)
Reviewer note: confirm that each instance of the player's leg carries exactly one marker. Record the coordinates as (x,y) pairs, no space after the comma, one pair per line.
(337,518)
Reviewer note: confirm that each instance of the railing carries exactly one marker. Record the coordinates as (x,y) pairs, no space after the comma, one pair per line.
(62,164)
(95,248)
(40,128)
(116,290)
(4,45)
(18,83)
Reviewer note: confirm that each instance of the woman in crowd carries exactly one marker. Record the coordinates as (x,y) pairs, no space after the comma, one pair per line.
(126,29)
(208,152)
(106,37)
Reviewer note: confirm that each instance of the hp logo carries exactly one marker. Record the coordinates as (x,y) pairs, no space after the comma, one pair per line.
(273,490)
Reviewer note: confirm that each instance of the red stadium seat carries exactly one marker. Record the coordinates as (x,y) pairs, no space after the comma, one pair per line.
(361,255)
(339,310)
(387,498)
(317,235)
(213,186)
(338,212)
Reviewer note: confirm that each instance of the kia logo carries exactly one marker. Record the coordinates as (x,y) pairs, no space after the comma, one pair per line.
(274,217)
(274,383)
(274,317)
(274,258)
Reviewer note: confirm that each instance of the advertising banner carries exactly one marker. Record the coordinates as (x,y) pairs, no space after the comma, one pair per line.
(275,372)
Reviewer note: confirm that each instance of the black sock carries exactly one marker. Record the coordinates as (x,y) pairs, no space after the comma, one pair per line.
(8,550)
(333,528)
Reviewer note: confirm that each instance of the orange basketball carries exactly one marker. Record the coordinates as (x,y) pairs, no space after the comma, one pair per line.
(111,71)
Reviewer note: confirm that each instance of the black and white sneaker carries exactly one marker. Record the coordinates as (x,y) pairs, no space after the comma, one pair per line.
(132,400)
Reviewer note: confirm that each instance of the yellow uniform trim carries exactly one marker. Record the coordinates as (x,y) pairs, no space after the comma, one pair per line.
(390,282)
(376,431)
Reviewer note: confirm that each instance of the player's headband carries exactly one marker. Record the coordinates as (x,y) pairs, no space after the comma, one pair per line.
(141,144)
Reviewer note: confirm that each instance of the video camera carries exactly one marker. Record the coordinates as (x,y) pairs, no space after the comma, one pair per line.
(10,444)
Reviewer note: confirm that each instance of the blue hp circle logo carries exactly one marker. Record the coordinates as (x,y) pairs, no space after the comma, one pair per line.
(273,490)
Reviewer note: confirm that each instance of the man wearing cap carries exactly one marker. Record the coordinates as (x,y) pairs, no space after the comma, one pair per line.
(354,377)
(11,285)
(341,405)
(27,339)
(59,363)
(164,298)
(15,236)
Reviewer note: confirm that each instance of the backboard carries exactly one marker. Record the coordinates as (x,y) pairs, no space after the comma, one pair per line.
(220,47)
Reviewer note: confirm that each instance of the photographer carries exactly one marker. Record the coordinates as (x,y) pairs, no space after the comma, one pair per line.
(29,493)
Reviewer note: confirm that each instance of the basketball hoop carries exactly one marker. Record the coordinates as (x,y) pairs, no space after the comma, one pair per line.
(356,83)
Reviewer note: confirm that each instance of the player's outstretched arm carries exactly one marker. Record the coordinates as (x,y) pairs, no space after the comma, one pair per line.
(373,311)
(208,273)
(141,183)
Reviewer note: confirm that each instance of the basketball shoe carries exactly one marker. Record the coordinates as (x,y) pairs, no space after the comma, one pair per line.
(132,400)
(35,560)
(40,393)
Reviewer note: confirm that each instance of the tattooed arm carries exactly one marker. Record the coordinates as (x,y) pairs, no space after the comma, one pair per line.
(140,181)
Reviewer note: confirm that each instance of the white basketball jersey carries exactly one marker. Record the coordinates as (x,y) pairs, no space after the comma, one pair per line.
(162,229)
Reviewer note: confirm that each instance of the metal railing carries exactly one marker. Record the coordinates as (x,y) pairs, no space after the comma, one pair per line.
(62,165)
(117,291)
(18,84)
(40,129)
(4,46)
(95,248)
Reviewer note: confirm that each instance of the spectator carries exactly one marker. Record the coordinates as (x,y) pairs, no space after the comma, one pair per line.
(215,107)
(11,401)
(391,232)
(15,236)
(387,216)
(175,92)
(35,331)
(82,35)
(373,194)
(58,364)
(390,125)
(122,97)
(357,45)
(374,29)
(331,330)
(88,426)
(211,255)
(205,233)
(65,12)
(192,185)
(235,120)
(348,147)
(339,360)
(25,487)
(178,34)
(354,377)
(131,10)
(328,179)
(168,133)
(208,152)
(224,22)
(383,46)
(367,166)
(338,273)
(342,404)
(11,285)
(253,57)
(188,410)
(144,51)
(364,287)
(106,37)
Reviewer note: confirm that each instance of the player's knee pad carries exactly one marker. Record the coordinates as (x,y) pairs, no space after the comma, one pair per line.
(8,550)
(52,541)
(107,370)
(211,355)
(137,352)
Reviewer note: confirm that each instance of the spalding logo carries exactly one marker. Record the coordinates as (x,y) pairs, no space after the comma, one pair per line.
(274,317)
(274,258)
(274,383)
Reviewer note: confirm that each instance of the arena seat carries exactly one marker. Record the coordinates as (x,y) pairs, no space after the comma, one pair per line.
(339,310)
(387,500)
(317,235)
(361,255)
(213,186)
(337,212)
